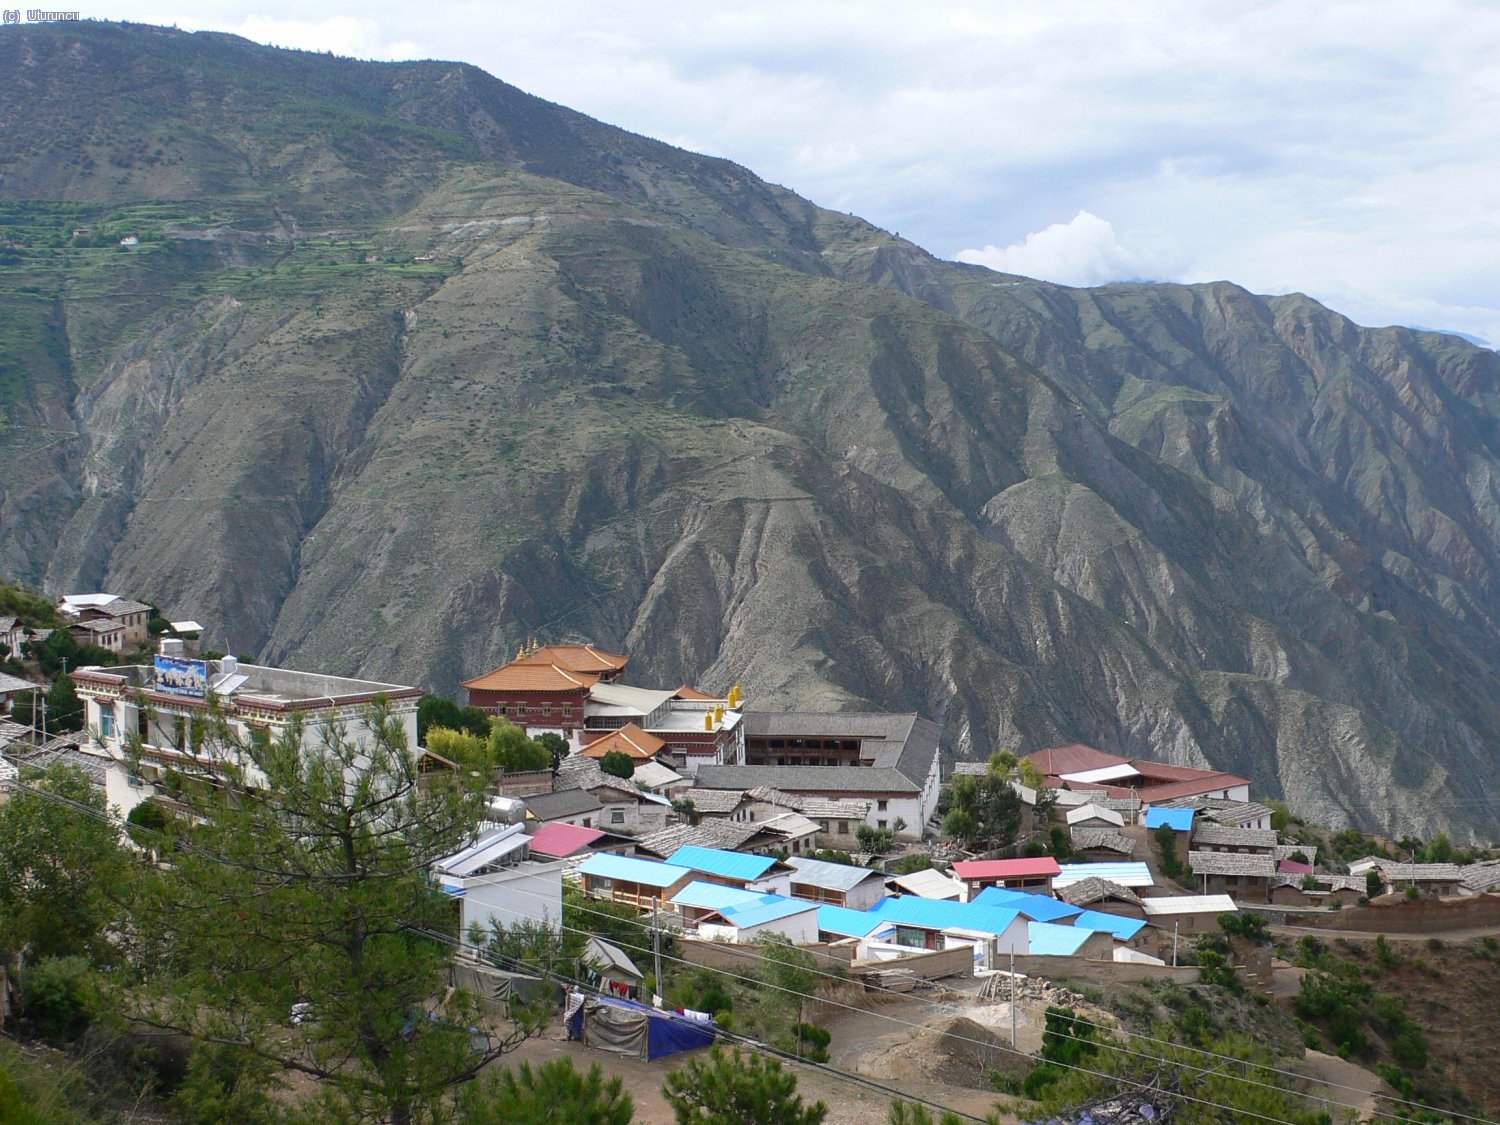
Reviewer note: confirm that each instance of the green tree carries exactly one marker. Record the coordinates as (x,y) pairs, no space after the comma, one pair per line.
(513,752)
(469,751)
(731,1088)
(304,883)
(60,859)
(914,1113)
(875,841)
(64,708)
(554,1091)
(985,811)
(436,711)
(617,763)
(555,745)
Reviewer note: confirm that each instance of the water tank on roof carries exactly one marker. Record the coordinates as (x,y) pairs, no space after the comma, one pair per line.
(506,810)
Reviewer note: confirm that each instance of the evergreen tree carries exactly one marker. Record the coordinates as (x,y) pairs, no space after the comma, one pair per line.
(617,763)
(64,707)
(554,1091)
(738,1089)
(303,884)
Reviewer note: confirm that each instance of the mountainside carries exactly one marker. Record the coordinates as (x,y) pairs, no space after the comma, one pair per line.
(408,365)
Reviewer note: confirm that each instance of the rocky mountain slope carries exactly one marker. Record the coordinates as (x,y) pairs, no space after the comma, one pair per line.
(407,366)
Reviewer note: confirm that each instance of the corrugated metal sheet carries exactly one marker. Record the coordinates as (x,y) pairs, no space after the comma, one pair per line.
(1180,820)
(1038,908)
(844,922)
(1126,874)
(712,896)
(1123,928)
(767,908)
(645,871)
(716,861)
(1048,940)
(940,914)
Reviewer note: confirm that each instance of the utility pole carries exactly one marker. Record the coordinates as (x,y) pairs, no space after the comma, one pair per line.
(656,946)
(1012,996)
(1174,943)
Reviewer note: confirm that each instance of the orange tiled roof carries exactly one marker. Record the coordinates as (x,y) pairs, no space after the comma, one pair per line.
(576,658)
(688,691)
(630,740)
(521,675)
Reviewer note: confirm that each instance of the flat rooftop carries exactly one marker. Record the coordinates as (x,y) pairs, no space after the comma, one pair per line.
(250,684)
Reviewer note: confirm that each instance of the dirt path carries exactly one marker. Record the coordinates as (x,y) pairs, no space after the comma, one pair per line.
(1347,1079)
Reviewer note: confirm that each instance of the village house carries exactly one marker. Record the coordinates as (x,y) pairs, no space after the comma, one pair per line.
(1177,920)
(727,834)
(837,884)
(132,618)
(12,686)
(1103,895)
(1238,874)
(1427,878)
(102,631)
(1179,820)
(1479,878)
(1316,889)
(1032,873)
(559,840)
(1209,836)
(762,873)
(1100,843)
(1094,816)
(623,806)
(931,924)
(643,883)
(629,740)
(836,819)
(499,881)
(1085,769)
(167,703)
(742,922)
(1132,874)
(928,883)
(564,806)
(12,636)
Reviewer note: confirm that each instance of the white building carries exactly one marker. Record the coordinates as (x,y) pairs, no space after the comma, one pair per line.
(169,705)
(496,881)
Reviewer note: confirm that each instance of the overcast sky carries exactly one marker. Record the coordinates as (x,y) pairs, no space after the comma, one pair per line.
(1345,150)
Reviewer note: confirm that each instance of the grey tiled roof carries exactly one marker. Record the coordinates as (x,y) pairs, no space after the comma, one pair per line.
(1230,863)
(1418,872)
(1085,839)
(1286,851)
(1090,890)
(727,834)
(1222,835)
(816,779)
(1325,882)
(1479,877)
(825,808)
(715,801)
(564,802)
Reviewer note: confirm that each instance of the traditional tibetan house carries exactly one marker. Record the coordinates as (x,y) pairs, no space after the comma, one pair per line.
(1031,873)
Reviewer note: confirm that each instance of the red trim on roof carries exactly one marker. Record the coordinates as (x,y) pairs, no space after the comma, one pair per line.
(559,839)
(1004,868)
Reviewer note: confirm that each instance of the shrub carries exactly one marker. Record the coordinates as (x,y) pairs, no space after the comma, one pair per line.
(61,1000)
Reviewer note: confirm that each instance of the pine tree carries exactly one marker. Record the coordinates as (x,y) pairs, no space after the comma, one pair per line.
(738,1089)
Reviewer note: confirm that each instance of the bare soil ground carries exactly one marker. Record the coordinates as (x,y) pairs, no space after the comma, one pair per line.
(848,1103)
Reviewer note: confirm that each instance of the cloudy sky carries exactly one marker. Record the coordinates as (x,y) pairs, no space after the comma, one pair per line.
(1345,150)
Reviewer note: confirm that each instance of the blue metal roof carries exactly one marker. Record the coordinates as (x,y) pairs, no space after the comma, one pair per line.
(848,923)
(766,908)
(1126,874)
(712,896)
(1049,940)
(717,861)
(1038,908)
(1123,928)
(942,914)
(647,872)
(1180,820)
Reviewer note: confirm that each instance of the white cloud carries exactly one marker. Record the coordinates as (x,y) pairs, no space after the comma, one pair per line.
(1082,251)
(1345,146)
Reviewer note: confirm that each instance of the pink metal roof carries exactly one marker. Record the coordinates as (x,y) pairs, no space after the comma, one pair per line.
(1006,868)
(560,839)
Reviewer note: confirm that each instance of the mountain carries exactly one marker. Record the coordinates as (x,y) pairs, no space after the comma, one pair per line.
(407,366)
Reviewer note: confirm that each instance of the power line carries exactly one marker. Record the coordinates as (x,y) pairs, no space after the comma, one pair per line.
(1181,1065)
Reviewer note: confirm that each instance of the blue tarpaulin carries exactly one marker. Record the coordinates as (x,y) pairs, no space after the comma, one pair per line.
(630,1028)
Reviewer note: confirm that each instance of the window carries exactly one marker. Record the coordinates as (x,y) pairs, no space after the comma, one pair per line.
(843,828)
(616,816)
(880,806)
(880,824)
(106,720)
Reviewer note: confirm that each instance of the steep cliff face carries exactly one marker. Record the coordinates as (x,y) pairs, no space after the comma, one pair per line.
(409,366)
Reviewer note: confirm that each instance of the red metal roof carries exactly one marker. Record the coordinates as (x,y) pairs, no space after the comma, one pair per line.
(1006,868)
(1072,758)
(558,839)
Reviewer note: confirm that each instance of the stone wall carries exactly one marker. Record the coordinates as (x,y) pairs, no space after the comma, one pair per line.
(1409,916)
